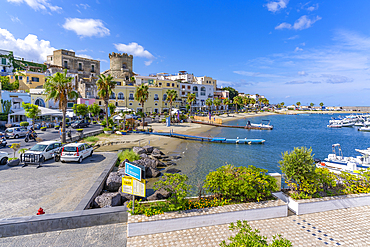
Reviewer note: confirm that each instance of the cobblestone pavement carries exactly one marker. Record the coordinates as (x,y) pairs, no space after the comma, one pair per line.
(107,235)
(345,227)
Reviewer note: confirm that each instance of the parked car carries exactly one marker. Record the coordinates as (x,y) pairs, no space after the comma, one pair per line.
(4,156)
(76,152)
(15,132)
(80,124)
(46,149)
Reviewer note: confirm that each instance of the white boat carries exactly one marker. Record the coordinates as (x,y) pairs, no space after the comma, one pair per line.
(265,124)
(334,125)
(367,128)
(337,163)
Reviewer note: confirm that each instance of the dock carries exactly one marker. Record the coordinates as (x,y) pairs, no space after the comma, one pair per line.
(249,127)
(206,139)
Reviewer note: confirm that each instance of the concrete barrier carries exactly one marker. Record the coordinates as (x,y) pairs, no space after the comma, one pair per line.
(61,221)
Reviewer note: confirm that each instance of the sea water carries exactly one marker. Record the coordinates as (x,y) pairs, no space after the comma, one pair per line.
(308,130)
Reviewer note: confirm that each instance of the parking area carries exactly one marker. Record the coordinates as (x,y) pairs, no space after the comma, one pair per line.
(56,187)
(48,135)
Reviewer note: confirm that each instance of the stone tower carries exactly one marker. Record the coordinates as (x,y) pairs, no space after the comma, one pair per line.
(121,65)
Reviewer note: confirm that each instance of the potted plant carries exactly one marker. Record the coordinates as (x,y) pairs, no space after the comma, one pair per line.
(94,122)
(107,130)
(43,128)
(56,127)
(14,161)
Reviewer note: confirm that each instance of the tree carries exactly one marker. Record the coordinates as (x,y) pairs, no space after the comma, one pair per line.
(217,103)
(171,97)
(298,104)
(7,105)
(321,104)
(59,88)
(80,109)
(209,103)
(226,102)
(105,87)
(232,92)
(112,107)
(187,107)
(6,85)
(94,109)
(297,166)
(282,104)
(31,111)
(252,101)
(238,101)
(191,99)
(141,95)
(312,104)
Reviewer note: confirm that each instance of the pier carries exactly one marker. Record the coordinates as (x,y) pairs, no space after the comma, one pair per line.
(233,126)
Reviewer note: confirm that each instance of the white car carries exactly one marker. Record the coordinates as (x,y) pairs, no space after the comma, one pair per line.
(75,152)
(46,149)
(4,156)
(15,132)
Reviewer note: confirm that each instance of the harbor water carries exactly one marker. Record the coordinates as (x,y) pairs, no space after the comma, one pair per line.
(309,130)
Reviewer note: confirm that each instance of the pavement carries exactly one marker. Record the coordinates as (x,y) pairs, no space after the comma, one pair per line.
(48,135)
(56,187)
(344,227)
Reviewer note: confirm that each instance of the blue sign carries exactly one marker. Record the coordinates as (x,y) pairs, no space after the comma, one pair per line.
(168,121)
(133,171)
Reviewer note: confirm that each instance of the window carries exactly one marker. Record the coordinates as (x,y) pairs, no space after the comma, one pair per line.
(156,104)
(164,97)
(173,84)
(182,93)
(112,96)
(99,102)
(121,95)
(79,66)
(160,83)
(183,86)
(189,87)
(118,83)
(11,77)
(40,102)
(130,104)
(203,91)
(35,79)
(156,97)
(19,77)
(82,147)
(195,89)
(131,96)
(168,84)
(116,103)
(66,64)
(124,66)
(28,79)
(70,104)
(3,61)
(92,68)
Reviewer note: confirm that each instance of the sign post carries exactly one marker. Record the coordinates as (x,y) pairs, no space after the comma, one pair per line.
(133,183)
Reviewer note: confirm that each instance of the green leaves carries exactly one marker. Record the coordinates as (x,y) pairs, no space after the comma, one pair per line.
(176,186)
(240,183)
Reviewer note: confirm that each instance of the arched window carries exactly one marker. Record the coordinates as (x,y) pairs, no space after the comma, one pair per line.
(121,95)
(203,91)
(40,102)
(195,89)
(156,97)
(112,96)
(164,97)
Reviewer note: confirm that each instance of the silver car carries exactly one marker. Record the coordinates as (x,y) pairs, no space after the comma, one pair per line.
(15,132)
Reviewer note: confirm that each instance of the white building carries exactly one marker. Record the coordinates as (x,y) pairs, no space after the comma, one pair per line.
(6,67)
(182,76)
(202,93)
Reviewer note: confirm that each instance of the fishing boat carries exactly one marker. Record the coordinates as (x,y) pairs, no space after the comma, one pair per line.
(265,124)
(365,128)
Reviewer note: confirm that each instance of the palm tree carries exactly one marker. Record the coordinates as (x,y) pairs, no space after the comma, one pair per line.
(246,101)
(171,96)
(298,104)
(282,104)
(226,102)
(312,104)
(260,101)
(209,103)
(191,99)
(321,104)
(252,101)
(238,101)
(217,103)
(59,88)
(105,87)
(141,95)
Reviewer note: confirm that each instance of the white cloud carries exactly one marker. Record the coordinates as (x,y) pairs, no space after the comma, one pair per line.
(38,4)
(302,23)
(82,5)
(15,19)
(313,7)
(293,37)
(86,27)
(136,50)
(302,73)
(31,48)
(255,74)
(275,6)
(298,49)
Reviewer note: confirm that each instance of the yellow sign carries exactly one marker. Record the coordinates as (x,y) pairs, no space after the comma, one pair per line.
(133,187)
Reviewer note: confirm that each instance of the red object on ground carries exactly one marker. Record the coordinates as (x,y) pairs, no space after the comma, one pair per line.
(40,211)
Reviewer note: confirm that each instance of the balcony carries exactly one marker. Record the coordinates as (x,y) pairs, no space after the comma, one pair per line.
(131,98)
(156,98)
(121,98)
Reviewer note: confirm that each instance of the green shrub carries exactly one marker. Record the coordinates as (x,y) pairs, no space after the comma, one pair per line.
(240,184)
(24,124)
(107,129)
(103,123)
(128,154)
(43,128)
(91,139)
(176,186)
(248,237)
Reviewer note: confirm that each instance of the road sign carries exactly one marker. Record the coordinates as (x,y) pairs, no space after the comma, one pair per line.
(133,187)
(133,171)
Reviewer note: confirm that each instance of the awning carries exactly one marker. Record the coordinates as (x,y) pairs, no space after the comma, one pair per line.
(17,100)
(44,112)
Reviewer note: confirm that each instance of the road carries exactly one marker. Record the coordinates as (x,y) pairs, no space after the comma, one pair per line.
(48,135)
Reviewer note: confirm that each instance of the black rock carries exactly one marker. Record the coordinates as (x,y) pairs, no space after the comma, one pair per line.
(148,149)
(108,200)
(114,181)
(139,150)
(173,170)
(159,195)
(151,172)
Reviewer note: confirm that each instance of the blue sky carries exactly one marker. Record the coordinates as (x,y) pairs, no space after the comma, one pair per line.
(289,51)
